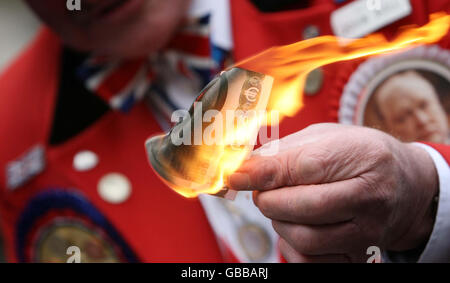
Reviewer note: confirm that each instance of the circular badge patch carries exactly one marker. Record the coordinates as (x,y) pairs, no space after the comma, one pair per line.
(57,224)
(54,241)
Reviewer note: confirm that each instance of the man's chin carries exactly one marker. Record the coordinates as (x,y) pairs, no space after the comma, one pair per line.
(124,43)
(116,47)
(123,51)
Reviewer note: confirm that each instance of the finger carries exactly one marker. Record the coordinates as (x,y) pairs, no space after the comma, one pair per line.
(312,204)
(297,166)
(259,173)
(342,238)
(309,135)
(326,160)
(266,173)
(292,256)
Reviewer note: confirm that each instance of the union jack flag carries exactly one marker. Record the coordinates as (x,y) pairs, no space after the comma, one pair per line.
(170,78)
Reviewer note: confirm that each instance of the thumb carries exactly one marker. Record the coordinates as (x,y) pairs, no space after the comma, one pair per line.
(338,154)
(287,168)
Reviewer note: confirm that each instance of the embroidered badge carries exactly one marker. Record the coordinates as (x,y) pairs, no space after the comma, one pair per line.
(57,219)
(21,170)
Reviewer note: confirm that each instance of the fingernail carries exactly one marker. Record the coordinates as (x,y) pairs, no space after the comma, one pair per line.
(239,181)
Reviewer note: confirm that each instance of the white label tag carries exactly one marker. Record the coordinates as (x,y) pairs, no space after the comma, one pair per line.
(362,17)
(19,171)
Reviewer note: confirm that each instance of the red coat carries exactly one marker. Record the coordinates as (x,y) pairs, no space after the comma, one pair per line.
(154,223)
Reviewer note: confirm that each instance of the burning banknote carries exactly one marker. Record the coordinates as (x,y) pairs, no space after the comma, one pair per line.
(215,136)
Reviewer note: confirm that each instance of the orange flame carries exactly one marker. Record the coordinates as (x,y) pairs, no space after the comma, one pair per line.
(290,64)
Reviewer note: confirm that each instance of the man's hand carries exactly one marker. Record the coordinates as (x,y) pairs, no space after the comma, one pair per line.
(332,191)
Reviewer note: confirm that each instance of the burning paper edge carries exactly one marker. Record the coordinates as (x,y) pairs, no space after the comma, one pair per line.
(224,192)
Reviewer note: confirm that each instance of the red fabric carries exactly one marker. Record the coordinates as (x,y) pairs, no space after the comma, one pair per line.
(438,5)
(202,48)
(444,150)
(158,224)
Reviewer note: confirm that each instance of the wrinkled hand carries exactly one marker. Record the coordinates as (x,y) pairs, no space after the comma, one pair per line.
(332,191)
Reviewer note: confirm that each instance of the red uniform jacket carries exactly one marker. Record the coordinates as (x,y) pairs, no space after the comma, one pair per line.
(154,223)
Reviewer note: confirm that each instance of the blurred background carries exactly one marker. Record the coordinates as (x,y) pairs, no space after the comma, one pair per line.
(17,27)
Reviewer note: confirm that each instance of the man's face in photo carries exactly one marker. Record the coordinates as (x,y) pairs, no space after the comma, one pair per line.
(122,28)
(411,110)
